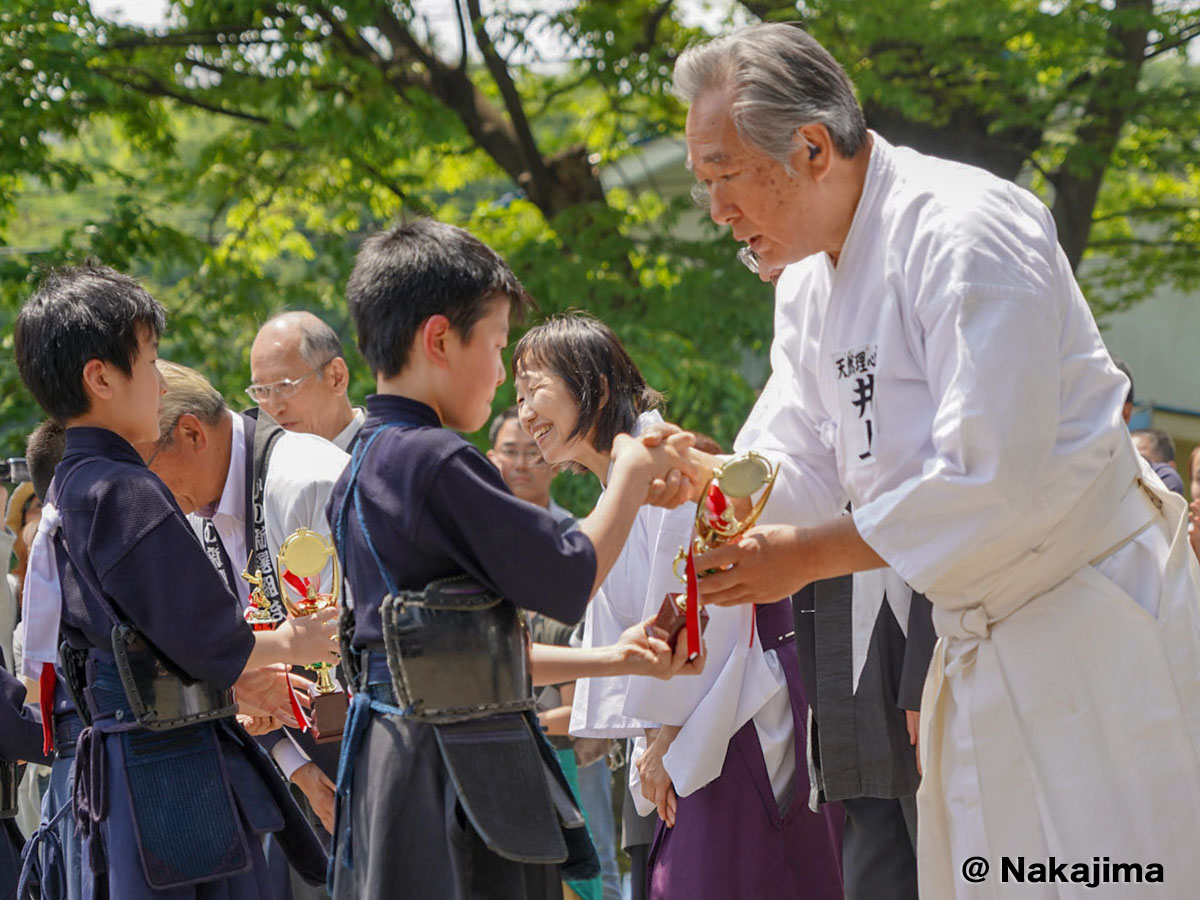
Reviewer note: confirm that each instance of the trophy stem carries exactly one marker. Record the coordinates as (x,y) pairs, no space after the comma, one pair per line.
(325,683)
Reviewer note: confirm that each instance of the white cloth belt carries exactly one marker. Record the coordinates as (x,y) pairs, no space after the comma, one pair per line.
(42,598)
(1075,542)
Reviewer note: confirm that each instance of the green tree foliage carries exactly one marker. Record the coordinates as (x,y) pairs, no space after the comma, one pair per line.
(1092,102)
(235,158)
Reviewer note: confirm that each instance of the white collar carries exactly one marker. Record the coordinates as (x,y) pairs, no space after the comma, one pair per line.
(232,504)
(346,435)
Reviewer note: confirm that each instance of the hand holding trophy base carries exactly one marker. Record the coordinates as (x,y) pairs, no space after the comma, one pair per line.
(739,477)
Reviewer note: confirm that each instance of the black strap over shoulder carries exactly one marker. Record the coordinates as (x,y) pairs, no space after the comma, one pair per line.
(261,435)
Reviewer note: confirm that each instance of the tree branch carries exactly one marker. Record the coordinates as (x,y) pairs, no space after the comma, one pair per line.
(460,15)
(1166,45)
(1154,210)
(1143,242)
(508,91)
(153,87)
(650,26)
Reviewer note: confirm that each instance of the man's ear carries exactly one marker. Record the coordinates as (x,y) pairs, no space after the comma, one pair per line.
(492,456)
(97,380)
(435,335)
(813,150)
(190,433)
(338,374)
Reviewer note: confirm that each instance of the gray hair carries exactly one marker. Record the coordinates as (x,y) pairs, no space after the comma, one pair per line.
(319,344)
(781,79)
(188,393)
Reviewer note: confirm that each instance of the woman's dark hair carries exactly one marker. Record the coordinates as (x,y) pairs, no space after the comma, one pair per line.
(78,314)
(585,353)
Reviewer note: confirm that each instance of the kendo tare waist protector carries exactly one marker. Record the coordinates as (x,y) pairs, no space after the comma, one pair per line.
(458,660)
(159,698)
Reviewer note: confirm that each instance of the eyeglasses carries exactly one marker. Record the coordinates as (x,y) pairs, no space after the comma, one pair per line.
(749,259)
(284,387)
(532,456)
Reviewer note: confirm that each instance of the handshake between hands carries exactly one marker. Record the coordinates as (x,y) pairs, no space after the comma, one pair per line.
(665,455)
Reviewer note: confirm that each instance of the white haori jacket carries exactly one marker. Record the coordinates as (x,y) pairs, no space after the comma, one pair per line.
(947,379)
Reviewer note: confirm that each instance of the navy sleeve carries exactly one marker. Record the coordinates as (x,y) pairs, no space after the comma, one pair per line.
(510,544)
(20,727)
(163,582)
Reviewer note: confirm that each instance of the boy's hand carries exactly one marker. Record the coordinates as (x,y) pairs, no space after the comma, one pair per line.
(661,455)
(311,639)
(258,725)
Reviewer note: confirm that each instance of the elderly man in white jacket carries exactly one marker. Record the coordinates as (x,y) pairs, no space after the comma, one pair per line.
(936,367)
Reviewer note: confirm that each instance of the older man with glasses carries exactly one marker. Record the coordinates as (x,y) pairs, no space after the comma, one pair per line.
(299,377)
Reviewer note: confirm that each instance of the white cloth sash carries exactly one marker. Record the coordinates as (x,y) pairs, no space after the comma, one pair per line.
(42,598)
(973,709)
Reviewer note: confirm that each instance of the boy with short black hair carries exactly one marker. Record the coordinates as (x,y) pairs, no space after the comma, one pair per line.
(171,793)
(448,787)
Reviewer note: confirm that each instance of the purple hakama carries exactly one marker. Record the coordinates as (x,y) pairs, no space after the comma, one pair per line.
(729,839)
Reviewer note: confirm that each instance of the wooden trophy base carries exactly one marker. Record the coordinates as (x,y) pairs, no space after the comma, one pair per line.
(672,619)
(327,715)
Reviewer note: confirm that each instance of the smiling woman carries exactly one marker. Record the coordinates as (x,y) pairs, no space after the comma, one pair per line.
(577,389)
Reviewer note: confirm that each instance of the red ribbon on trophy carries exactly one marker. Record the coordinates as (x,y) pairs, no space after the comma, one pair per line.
(716,523)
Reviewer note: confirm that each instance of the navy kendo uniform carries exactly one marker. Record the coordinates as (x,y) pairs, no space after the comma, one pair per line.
(20,740)
(174,810)
(473,805)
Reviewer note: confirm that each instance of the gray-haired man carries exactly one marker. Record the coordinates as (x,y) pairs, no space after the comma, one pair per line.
(936,366)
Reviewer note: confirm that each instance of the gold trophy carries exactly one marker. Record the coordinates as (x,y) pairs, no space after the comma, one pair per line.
(738,478)
(301,559)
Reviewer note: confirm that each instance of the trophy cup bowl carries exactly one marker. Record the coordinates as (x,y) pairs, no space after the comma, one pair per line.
(302,557)
(738,478)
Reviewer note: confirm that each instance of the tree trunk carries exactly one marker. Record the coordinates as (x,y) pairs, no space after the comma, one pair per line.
(1110,100)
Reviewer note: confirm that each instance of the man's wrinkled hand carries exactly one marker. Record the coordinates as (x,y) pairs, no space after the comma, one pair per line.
(319,790)
(764,565)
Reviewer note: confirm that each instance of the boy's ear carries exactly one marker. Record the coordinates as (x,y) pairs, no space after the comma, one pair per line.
(97,380)
(435,333)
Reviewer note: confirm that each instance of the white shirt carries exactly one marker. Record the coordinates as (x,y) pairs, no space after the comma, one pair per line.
(347,434)
(300,477)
